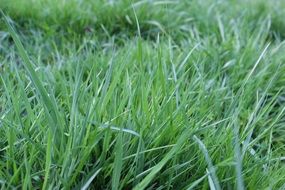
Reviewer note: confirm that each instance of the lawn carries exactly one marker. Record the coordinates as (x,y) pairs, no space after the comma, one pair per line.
(148,94)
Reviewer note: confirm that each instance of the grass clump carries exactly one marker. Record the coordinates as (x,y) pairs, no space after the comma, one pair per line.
(151,95)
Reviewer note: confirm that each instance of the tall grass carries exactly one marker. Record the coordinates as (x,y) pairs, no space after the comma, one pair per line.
(179,95)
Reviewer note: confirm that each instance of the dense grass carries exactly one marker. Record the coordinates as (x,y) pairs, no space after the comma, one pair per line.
(142,94)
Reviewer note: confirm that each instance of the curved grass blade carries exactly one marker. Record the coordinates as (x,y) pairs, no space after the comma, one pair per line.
(144,183)
(86,185)
(213,179)
(49,104)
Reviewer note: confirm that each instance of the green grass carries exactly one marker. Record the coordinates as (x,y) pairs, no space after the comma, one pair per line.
(142,94)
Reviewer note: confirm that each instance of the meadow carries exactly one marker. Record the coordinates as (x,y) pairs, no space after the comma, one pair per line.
(142,94)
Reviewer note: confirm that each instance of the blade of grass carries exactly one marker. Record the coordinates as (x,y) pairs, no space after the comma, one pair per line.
(212,173)
(48,160)
(51,108)
(145,182)
(238,157)
(197,182)
(118,162)
(86,185)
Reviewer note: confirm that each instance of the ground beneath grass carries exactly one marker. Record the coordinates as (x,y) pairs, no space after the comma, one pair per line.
(142,94)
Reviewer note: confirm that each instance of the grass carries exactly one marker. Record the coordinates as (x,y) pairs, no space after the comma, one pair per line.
(142,94)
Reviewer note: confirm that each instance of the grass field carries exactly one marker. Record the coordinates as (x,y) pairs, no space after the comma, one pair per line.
(149,94)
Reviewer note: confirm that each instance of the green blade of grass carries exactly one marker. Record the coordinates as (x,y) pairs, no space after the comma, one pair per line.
(86,185)
(118,162)
(48,160)
(145,182)
(238,158)
(51,109)
(197,182)
(213,179)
